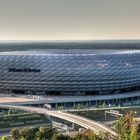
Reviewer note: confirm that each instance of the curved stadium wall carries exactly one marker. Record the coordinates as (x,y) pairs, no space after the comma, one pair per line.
(69,71)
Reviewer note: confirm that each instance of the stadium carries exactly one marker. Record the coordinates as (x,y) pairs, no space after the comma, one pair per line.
(70,71)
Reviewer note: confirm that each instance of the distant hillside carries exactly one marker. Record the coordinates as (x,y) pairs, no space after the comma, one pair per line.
(114,44)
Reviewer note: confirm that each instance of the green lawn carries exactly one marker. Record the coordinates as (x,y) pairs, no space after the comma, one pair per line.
(19,120)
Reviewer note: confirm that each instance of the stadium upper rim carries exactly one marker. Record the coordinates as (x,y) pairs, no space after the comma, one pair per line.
(71,52)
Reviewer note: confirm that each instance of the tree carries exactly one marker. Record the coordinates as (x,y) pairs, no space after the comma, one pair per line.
(106,136)
(13,111)
(134,133)
(24,133)
(87,135)
(61,137)
(123,126)
(27,133)
(45,133)
(15,133)
(4,138)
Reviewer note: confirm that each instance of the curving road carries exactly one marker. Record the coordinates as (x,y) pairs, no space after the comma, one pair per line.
(84,122)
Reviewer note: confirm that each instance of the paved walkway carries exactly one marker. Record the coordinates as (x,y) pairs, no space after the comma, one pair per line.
(15,99)
(66,99)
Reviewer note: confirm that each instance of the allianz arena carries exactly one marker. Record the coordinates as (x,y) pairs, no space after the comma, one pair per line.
(70,71)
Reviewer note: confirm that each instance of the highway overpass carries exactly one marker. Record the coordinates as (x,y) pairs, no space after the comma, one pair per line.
(84,122)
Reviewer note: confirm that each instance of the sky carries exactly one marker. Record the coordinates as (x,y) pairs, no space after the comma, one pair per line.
(69,19)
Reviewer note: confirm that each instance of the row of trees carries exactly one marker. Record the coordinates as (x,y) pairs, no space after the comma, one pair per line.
(45,133)
(126,127)
(42,133)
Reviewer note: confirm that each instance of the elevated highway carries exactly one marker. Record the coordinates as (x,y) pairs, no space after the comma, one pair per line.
(84,122)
